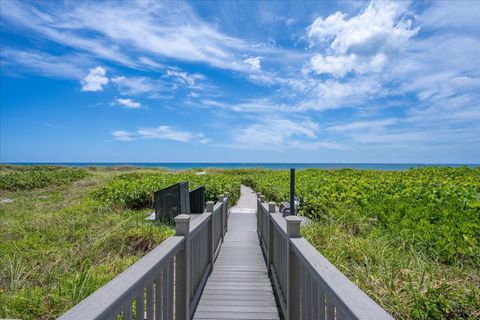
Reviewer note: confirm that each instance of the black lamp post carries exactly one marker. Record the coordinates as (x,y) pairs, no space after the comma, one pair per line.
(292,192)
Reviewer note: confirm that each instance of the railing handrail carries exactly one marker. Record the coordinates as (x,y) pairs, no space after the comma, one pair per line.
(150,281)
(197,224)
(296,267)
(346,292)
(109,298)
(279,221)
(217,207)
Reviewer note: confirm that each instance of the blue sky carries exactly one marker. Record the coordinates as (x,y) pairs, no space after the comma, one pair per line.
(247,81)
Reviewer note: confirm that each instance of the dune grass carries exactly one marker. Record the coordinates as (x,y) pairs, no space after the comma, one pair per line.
(58,244)
(410,240)
(64,232)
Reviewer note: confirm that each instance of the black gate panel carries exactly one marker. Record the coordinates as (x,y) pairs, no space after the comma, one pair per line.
(197,200)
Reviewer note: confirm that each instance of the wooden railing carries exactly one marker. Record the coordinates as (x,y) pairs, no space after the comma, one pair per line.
(307,285)
(167,282)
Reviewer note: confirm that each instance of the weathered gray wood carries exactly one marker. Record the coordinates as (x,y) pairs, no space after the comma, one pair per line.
(293,231)
(158,297)
(340,292)
(149,302)
(211,234)
(165,293)
(119,293)
(174,279)
(239,287)
(183,271)
(307,285)
(140,307)
(227,213)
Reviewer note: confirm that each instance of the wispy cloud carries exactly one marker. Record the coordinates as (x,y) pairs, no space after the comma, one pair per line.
(17,61)
(276,133)
(254,63)
(122,135)
(171,30)
(371,125)
(135,85)
(188,79)
(379,73)
(162,133)
(129,103)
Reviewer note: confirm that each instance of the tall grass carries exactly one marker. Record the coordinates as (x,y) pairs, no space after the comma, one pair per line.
(410,240)
(59,244)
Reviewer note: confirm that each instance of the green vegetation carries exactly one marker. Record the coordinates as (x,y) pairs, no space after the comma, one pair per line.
(65,235)
(27,178)
(134,190)
(411,239)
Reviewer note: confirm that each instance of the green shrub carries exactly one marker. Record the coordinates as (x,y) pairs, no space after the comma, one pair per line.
(134,190)
(33,177)
(434,209)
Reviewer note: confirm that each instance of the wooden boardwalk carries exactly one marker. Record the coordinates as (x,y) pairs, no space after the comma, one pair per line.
(239,287)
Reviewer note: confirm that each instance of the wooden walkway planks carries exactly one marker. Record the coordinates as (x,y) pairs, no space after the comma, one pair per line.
(239,287)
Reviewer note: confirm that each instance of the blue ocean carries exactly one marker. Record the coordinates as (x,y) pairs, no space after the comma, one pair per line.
(235,165)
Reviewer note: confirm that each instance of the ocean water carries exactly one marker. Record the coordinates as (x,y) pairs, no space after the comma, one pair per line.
(234,165)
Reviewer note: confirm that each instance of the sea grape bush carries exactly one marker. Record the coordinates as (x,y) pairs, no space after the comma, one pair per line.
(435,209)
(134,190)
(33,177)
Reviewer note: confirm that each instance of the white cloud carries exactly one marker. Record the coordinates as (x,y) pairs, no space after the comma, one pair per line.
(254,63)
(122,135)
(95,80)
(163,133)
(134,85)
(273,133)
(339,66)
(129,103)
(65,66)
(189,79)
(170,30)
(361,43)
(277,133)
(370,125)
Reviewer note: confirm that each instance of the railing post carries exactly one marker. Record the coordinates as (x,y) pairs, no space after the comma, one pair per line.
(260,215)
(293,303)
(271,209)
(182,266)
(221,216)
(211,234)
(225,201)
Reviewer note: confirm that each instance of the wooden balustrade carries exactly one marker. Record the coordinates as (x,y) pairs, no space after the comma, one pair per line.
(307,285)
(168,281)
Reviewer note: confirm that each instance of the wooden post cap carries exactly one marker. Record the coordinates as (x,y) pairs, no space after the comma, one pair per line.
(271,206)
(182,224)
(293,226)
(210,206)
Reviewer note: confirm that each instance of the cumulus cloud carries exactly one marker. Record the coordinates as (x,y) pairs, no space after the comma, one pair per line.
(129,103)
(361,43)
(163,133)
(95,80)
